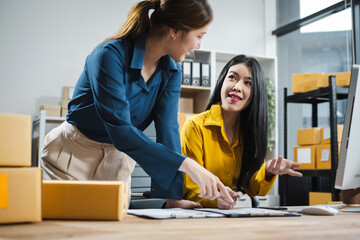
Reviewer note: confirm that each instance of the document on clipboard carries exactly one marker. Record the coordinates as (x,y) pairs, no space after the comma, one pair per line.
(250,212)
(170,213)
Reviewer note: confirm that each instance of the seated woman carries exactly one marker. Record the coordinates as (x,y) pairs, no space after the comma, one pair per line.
(230,138)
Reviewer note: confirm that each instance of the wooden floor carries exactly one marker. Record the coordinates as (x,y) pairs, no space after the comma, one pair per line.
(341,226)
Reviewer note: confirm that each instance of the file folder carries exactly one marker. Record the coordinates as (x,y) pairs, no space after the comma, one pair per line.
(205,75)
(195,74)
(187,69)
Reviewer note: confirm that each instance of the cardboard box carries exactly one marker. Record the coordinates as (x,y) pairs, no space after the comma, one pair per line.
(306,155)
(24,195)
(342,79)
(15,140)
(325,134)
(90,200)
(64,112)
(183,117)
(186,104)
(319,198)
(64,103)
(305,82)
(308,136)
(67,93)
(323,156)
(51,110)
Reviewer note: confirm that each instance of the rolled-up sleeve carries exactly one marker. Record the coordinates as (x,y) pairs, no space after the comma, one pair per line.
(105,71)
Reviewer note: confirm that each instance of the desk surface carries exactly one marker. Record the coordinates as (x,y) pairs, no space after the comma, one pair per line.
(341,226)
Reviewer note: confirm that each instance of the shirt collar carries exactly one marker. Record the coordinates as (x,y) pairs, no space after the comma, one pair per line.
(139,53)
(215,118)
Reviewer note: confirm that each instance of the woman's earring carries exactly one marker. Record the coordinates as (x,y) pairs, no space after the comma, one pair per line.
(173,38)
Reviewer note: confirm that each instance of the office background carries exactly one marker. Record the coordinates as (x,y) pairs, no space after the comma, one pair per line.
(44,43)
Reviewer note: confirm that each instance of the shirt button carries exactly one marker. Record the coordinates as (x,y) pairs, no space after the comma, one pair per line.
(229,174)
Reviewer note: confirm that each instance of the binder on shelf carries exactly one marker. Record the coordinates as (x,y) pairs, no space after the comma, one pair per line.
(195,74)
(205,74)
(187,69)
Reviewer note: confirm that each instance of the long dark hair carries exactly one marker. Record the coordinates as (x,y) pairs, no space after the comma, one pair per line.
(253,119)
(182,15)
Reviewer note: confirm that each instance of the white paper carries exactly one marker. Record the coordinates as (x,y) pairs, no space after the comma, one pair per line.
(168,213)
(304,155)
(325,154)
(327,133)
(244,211)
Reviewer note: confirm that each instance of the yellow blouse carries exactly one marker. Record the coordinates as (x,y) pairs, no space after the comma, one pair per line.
(203,139)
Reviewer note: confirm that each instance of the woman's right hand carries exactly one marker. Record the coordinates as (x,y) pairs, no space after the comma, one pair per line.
(210,185)
(223,204)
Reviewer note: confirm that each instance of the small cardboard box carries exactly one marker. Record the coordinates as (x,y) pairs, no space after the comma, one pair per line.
(64,103)
(90,200)
(319,198)
(183,117)
(186,104)
(67,93)
(64,112)
(306,155)
(305,82)
(323,156)
(51,110)
(308,136)
(23,195)
(15,140)
(342,79)
(325,134)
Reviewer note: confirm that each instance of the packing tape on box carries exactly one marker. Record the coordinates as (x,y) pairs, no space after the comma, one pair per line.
(4,199)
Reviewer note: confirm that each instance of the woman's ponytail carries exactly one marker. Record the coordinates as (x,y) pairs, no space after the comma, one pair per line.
(183,15)
(138,20)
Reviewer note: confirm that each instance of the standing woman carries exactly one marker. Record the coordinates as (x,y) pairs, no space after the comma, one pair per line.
(130,80)
(230,138)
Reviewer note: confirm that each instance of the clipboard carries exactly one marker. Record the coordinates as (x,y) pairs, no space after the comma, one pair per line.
(250,212)
(172,213)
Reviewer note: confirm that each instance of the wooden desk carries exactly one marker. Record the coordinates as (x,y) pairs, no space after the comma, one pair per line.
(341,226)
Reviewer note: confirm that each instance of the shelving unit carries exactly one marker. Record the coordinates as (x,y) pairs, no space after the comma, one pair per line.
(329,94)
(39,130)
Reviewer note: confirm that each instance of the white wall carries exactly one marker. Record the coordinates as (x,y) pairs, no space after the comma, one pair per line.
(44,43)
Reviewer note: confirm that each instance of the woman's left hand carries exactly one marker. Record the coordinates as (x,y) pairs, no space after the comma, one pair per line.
(281,166)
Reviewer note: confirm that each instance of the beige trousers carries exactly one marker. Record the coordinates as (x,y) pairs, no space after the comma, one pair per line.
(70,155)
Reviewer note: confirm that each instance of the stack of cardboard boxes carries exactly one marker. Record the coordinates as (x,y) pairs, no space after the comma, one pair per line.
(311,81)
(20,184)
(24,197)
(67,93)
(313,151)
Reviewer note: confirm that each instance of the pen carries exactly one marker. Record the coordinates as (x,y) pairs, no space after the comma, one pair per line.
(188,215)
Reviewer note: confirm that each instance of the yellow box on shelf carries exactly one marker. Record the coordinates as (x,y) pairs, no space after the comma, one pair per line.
(323,156)
(306,155)
(23,195)
(308,136)
(90,200)
(303,82)
(319,198)
(342,79)
(325,134)
(15,140)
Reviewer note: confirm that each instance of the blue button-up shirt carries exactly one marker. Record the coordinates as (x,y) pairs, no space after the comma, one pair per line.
(113,104)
